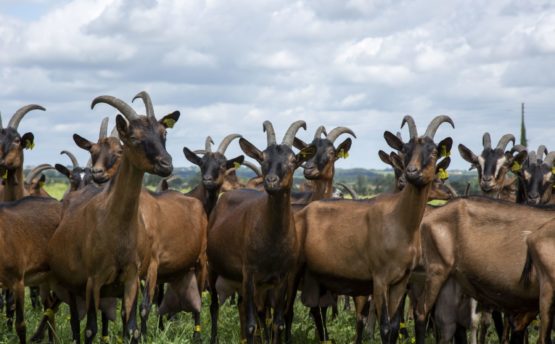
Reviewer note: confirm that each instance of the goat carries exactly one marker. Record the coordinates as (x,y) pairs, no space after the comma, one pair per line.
(78,177)
(493,165)
(104,226)
(26,225)
(375,243)
(535,178)
(252,242)
(473,239)
(213,166)
(33,185)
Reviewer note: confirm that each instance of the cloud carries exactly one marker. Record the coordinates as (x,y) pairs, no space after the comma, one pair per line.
(228,66)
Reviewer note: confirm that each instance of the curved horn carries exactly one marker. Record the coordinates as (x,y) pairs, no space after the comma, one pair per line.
(434,125)
(119,104)
(148,103)
(321,130)
(349,190)
(518,148)
(19,114)
(270,133)
(504,141)
(532,158)
(103,128)
(486,140)
(549,159)
(253,167)
(226,141)
(36,171)
(208,144)
(334,134)
(451,189)
(541,151)
(412,126)
(71,157)
(292,131)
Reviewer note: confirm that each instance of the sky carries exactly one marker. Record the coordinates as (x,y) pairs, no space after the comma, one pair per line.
(229,65)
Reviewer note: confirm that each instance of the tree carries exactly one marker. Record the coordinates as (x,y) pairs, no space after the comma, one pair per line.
(523,139)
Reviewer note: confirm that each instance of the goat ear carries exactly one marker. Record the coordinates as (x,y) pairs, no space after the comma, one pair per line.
(445,147)
(164,185)
(393,141)
(250,150)
(299,144)
(121,125)
(305,154)
(517,161)
(342,151)
(396,161)
(192,157)
(443,164)
(82,142)
(169,120)
(63,170)
(28,140)
(467,154)
(384,157)
(234,162)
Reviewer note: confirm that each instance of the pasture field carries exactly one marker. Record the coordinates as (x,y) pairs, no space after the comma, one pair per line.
(180,329)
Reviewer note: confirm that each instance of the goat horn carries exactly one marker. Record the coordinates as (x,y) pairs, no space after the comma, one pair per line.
(226,141)
(19,114)
(114,132)
(148,103)
(434,125)
(541,151)
(549,159)
(36,171)
(532,158)
(321,130)
(270,133)
(518,148)
(208,144)
(199,151)
(71,157)
(119,104)
(349,190)
(504,141)
(486,141)
(334,134)
(292,131)
(103,128)
(451,189)
(253,167)
(412,126)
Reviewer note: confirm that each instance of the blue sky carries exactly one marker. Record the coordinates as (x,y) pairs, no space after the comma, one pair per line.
(229,65)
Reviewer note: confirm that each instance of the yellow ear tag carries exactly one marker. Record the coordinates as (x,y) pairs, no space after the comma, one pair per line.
(5,175)
(236,165)
(444,152)
(552,170)
(516,167)
(29,144)
(442,174)
(343,154)
(197,328)
(169,122)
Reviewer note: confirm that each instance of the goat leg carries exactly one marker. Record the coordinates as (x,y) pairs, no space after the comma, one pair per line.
(51,304)
(249,307)
(546,312)
(279,308)
(130,307)
(92,328)
(289,311)
(159,298)
(362,309)
(319,316)
(74,319)
(20,328)
(34,294)
(10,307)
(214,307)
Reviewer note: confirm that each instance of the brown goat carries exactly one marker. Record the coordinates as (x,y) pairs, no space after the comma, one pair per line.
(26,226)
(535,178)
(34,183)
(379,259)
(252,242)
(473,239)
(97,242)
(493,164)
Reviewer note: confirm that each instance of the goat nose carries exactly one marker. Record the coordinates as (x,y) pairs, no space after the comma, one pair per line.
(411,169)
(271,179)
(96,170)
(165,163)
(487,178)
(207,178)
(533,195)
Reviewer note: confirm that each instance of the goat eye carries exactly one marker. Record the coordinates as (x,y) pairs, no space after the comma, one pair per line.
(17,141)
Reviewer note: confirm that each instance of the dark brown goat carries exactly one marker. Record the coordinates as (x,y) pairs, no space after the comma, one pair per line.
(493,164)
(79,177)
(26,226)
(252,241)
(535,178)
(362,248)
(213,166)
(105,227)
(34,181)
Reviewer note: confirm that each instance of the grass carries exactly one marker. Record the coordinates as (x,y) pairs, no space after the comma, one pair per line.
(180,329)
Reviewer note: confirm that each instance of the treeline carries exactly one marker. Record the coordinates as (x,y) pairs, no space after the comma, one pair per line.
(364,181)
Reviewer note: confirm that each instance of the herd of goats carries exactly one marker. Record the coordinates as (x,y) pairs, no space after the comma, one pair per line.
(467,262)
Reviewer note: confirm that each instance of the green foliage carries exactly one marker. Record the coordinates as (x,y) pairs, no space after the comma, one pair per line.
(56,190)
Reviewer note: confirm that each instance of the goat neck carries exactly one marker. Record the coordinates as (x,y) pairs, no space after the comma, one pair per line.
(208,197)
(14,188)
(123,192)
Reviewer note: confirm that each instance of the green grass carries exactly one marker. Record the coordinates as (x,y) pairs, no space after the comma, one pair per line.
(180,329)
(56,190)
